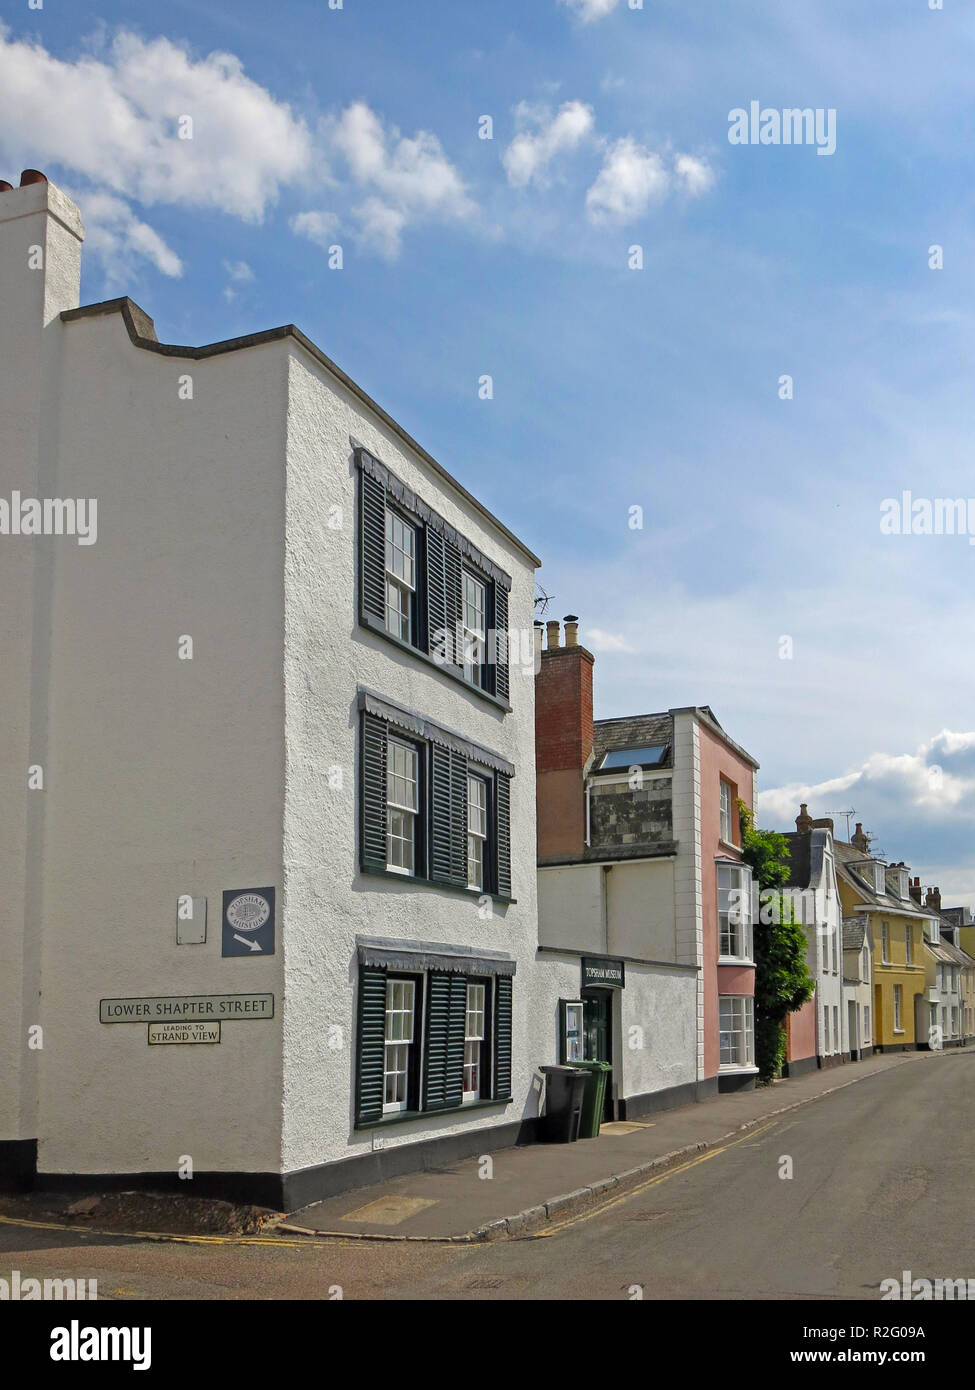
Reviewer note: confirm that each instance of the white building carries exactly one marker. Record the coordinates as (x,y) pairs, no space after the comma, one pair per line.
(247,805)
(813,890)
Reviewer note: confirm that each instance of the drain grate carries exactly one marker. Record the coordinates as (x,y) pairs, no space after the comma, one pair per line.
(484,1284)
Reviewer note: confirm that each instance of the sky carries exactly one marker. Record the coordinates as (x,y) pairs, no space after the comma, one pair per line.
(711,363)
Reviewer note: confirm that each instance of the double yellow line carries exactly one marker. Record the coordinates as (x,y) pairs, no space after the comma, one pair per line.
(600,1208)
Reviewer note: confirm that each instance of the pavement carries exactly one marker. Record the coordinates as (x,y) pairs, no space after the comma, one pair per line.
(522,1190)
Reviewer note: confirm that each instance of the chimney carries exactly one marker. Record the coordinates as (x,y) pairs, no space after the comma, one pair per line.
(824,823)
(933,900)
(859,841)
(803,820)
(916,889)
(563,741)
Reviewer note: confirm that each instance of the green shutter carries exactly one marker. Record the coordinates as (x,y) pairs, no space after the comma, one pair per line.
(502,788)
(502,1037)
(443,598)
(443,1076)
(501,684)
(372,547)
(370,1045)
(372,795)
(448,816)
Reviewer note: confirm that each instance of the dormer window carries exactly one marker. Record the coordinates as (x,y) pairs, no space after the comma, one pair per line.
(903,883)
(934,929)
(622,759)
(880,878)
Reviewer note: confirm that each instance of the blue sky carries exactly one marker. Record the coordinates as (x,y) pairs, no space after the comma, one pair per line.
(613,387)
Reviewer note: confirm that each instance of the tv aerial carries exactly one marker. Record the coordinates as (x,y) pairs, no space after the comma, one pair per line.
(542,600)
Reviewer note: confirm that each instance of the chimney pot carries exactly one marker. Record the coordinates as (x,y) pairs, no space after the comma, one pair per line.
(571,630)
(32,176)
(5,187)
(803,820)
(552,629)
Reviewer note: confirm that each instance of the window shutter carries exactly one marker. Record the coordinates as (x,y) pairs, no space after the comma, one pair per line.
(373,793)
(372,547)
(443,598)
(370,1045)
(502,1037)
(443,1079)
(502,786)
(448,816)
(501,683)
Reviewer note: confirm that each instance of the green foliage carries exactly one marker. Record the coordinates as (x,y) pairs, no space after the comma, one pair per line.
(782,979)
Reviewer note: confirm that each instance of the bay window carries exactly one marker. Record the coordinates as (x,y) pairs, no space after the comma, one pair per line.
(734,912)
(737,1031)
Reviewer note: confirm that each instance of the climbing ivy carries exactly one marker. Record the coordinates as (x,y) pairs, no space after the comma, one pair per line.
(782,979)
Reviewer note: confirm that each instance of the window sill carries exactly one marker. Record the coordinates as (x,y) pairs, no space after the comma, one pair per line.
(729,844)
(736,960)
(380,871)
(900,1031)
(373,626)
(404,1116)
(744,1069)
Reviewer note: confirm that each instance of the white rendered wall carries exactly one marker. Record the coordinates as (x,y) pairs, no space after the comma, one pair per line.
(327,902)
(164,777)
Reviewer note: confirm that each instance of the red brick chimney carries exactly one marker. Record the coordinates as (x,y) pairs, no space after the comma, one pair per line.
(916,890)
(933,901)
(563,741)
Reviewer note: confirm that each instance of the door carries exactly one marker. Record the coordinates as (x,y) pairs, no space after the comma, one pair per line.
(597,1008)
(854,1032)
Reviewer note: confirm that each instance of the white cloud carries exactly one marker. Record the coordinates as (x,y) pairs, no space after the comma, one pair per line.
(630,179)
(601,641)
(695,174)
(319,227)
(239,271)
(589,10)
(121,240)
(407,178)
(527,157)
(115,119)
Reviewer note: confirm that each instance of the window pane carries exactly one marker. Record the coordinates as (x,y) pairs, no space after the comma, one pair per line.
(634,757)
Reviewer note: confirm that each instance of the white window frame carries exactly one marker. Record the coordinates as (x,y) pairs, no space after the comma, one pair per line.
(736,1021)
(898,1009)
(400,575)
(477,828)
(739,931)
(402,808)
(475,636)
(836,1028)
(399,1038)
(866,1023)
(474,1037)
(826,1047)
(880,878)
(908,945)
(724,805)
(884,943)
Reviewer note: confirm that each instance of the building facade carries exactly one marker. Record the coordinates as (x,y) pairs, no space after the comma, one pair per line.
(644,921)
(267,767)
(858,984)
(818,1032)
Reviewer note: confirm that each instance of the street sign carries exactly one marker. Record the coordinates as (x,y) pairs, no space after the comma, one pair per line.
(601,971)
(248,922)
(169,1034)
(186,1008)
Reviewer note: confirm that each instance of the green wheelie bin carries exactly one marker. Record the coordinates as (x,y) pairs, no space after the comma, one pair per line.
(597,1079)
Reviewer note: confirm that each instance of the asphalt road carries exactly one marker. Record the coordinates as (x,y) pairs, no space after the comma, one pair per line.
(881,1183)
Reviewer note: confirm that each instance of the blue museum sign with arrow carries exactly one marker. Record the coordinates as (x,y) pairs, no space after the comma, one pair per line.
(248,922)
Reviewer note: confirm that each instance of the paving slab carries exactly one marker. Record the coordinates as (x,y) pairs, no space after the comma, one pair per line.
(535,1183)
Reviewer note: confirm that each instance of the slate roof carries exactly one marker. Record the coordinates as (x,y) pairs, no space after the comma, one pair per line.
(955,954)
(633,731)
(847,857)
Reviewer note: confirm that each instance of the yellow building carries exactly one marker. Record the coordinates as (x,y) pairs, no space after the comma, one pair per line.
(897,924)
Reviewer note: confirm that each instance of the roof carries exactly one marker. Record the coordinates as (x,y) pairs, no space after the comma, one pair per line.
(847,857)
(141,331)
(612,854)
(643,730)
(633,731)
(955,954)
(805,858)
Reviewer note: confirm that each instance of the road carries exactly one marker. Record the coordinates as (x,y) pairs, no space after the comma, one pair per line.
(881,1183)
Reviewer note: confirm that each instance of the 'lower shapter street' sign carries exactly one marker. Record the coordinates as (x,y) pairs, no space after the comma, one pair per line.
(187,1008)
(170,1034)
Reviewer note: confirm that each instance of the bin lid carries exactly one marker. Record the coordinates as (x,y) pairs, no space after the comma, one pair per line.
(594,1066)
(569,1071)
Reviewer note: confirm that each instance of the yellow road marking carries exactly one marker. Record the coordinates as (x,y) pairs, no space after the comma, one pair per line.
(158,1236)
(602,1207)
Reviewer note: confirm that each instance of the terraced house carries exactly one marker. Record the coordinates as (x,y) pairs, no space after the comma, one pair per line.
(817,1034)
(871,888)
(643,928)
(267,780)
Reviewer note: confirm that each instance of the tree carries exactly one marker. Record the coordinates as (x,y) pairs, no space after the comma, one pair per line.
(782,979)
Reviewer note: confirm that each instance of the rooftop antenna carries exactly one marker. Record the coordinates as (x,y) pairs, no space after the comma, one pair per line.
(849,816)
(542,600)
